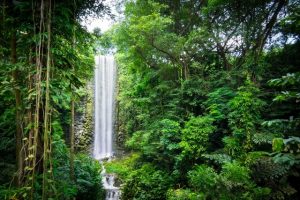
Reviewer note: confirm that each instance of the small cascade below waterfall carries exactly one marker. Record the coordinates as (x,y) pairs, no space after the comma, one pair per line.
(105,79)
(108,181)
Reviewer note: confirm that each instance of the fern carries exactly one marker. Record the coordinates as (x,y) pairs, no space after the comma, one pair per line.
(288,190)
(218,158)
(290,151)
(287,159)
(254,156)
(265,169)
(263,138)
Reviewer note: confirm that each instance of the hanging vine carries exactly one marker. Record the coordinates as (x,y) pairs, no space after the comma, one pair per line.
(47,111)
(40,137)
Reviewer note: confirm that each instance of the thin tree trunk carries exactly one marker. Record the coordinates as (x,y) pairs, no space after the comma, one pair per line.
(38,84)
(72,130)
(15,75)
(47,109)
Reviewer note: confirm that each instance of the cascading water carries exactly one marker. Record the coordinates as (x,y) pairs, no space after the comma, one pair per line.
(105,78)
(105,75)
(108,181)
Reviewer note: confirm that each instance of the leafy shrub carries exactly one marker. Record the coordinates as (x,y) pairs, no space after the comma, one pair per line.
(217,102)
(184,194)
(87,173)
(235,183)
(203,179)
(122,167)
(195,136)
(244,114)
(232,146)
(235,173)
(146,183)
(160,143)
(88,178)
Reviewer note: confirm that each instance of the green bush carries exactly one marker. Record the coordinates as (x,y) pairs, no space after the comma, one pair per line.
(160,142)
(146,183)
(235,183)
(184,194)
(87,174)
(203,179)
(122,167)
(195,136)
(88,178)
(245,112)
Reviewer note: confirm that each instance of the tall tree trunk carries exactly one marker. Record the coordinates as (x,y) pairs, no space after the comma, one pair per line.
(72,139)
(15,76)
(72,130)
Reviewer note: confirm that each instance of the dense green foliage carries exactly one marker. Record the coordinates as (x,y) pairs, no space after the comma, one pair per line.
(46,58)
(209,98)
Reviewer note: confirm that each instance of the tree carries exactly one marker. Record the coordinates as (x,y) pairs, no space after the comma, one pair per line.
(37,58)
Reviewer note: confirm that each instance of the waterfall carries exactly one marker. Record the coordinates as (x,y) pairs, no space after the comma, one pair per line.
(105,78)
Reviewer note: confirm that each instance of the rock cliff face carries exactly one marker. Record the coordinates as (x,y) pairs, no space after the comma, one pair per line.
(84,120)
(119,138)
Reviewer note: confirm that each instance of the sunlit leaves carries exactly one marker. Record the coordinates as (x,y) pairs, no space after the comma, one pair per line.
(195,136)
(277,144)
(245,112)
(184,194)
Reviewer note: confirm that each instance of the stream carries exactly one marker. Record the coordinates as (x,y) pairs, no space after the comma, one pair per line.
(108,181)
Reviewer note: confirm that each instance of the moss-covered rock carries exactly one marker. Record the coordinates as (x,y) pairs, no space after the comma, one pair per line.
(84,122)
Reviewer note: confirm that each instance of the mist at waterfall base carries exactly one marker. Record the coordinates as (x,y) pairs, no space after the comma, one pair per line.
(105,80)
